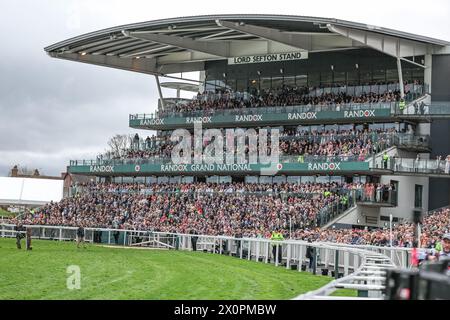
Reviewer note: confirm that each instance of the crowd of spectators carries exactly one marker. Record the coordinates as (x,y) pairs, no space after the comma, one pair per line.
(284,96)
(208,208)
(252,210)
(213,209)
(433,226)
(360,143)
(344,143)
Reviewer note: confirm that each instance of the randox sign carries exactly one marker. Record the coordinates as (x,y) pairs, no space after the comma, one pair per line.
(326,166)
(101,169)
(274,57)
(267,118)
(280,168)
(360,114)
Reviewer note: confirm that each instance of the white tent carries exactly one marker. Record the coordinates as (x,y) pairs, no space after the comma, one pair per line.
(28,191)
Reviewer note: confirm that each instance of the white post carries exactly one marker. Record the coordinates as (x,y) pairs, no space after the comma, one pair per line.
(346,262)
(109,236)
(220,245)
(60,234)
(249,250)
(355,262)
(267,251)
(257,251)
(390,229)
(276,255)
(288,256)
(240,248)
(300,257)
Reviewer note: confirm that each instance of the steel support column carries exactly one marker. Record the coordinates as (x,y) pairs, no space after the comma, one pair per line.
(400,78)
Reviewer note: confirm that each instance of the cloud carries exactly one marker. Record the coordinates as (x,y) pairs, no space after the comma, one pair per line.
(52,110)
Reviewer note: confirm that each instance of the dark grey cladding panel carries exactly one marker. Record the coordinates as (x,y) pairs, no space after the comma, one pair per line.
(342,61)
(441,74)
(439,195)
(440,138)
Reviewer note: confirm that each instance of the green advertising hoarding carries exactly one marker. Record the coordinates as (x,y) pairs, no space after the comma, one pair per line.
(256,119)
(182,169)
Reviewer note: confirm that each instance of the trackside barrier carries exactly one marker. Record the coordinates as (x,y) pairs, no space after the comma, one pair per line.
(345,262)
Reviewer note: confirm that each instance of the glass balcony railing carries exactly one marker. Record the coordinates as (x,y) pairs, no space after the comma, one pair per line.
(380,196)
(381,141)
(420,166)
(413,92)
(168,160)
(426,109)
(410,90)
(270,110)
(410,141)
(410,165)
(397,165)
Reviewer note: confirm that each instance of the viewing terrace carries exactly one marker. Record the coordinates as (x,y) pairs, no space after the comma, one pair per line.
(324,105)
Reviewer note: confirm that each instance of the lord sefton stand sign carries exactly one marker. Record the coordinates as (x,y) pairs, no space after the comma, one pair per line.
(273,57)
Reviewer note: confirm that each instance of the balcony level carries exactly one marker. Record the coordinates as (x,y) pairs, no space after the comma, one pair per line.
(287,165)
(256,117)
(418,110)
(295,115)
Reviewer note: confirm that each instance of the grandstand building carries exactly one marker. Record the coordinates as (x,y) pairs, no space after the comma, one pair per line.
(301,75)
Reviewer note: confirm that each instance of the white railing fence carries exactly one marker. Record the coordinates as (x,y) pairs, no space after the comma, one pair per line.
(340,260)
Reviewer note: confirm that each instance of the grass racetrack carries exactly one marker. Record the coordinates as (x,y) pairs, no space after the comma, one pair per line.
(115,273)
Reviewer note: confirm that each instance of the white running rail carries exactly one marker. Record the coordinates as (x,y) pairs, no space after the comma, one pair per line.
(354,267)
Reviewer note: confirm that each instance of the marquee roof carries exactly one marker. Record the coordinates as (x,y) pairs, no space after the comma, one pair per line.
(29,191)
(184,44)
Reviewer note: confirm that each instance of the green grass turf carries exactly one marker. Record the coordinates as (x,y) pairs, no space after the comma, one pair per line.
(114,273)
(345,293)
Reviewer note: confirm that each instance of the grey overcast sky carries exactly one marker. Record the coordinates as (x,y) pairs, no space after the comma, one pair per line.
(52,110)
